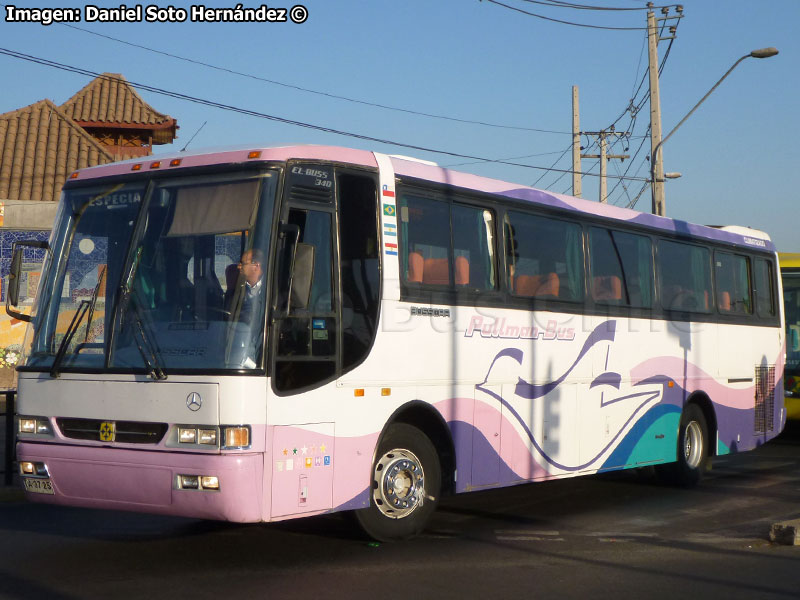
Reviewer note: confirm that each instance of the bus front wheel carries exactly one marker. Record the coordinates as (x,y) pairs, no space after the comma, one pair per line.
(405,485)
(693,451)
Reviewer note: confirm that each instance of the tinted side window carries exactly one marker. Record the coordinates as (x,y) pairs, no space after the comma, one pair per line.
(544,257)
(425,233)
(764,276)
(473,243)
(621,268)
(732,273)
(684,276)
(360,266)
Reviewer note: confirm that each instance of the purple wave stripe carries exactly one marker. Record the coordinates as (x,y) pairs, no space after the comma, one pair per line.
(679,370)
(604,332)
(651,396)
(632,216)
(612,379)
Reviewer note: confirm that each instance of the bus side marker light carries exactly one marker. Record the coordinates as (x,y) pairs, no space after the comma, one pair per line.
(74,175)
(175,162)
(254,154)
(386,391)
(671,384)
(136,167)
(358,392)
(155,164)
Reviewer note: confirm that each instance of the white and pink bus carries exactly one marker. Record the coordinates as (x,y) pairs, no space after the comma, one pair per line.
(261,334)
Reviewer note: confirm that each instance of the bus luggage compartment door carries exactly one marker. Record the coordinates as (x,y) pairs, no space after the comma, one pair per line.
(302,469)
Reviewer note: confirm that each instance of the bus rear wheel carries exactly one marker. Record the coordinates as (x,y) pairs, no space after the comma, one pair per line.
(405,485)
(693,450)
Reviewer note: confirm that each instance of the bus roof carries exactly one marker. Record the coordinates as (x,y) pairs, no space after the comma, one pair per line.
(414,168)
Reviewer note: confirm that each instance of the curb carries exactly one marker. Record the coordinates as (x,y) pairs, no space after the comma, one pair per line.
(786,532)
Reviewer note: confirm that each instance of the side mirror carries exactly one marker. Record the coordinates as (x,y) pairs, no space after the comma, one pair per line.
(15,272)
(15,276)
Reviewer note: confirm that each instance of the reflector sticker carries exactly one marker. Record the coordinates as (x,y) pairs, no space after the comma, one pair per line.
(107,431)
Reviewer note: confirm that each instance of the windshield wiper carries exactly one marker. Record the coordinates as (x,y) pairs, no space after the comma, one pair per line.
(86,306)
(146,347)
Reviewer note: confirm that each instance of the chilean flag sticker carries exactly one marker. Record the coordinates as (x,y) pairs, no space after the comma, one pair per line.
(387,191)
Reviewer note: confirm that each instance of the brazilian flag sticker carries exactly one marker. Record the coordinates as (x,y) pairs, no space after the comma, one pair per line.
(389,210)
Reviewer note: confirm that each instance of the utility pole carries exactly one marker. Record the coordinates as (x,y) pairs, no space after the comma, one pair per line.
(576,144)
(604,156)
(655,103)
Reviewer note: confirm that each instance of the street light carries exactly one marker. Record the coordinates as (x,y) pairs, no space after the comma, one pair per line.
(658,183)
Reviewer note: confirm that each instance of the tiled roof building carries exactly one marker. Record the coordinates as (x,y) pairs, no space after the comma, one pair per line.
(39,147)
(111,111)
(42,144)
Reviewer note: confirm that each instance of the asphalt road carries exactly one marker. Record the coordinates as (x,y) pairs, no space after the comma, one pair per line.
(619,535)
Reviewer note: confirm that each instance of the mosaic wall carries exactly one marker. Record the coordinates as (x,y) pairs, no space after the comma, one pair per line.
(12,331)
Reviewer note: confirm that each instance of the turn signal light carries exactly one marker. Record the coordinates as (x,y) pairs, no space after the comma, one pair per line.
(237,436)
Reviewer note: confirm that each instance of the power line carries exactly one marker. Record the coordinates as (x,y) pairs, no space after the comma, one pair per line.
(479,162)
(311,91)
(558,4)
(530,14)
(278,119)
(567,149)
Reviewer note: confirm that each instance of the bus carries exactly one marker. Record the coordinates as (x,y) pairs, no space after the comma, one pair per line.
(790,278)
(260,334)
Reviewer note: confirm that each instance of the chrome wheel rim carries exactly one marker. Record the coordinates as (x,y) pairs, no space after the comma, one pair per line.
(693,444)
(399,487)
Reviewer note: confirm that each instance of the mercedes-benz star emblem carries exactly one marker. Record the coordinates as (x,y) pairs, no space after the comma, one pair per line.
(194,401)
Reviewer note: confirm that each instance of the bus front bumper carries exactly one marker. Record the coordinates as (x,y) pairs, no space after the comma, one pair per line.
(145,481)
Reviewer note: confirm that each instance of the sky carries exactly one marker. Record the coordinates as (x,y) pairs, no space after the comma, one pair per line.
(474,78)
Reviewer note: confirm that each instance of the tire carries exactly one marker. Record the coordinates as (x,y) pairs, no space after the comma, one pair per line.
(406,482)
(693,450)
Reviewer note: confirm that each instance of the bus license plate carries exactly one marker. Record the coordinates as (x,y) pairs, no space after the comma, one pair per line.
(38,486)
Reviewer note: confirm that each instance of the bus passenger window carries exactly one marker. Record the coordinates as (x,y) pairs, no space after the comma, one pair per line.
(545,257)
(764,275)
(733,283)
(425,230)
(684,276)
(621,268)
(473,246)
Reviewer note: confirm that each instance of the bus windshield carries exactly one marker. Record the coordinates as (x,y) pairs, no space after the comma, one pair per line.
(160,274)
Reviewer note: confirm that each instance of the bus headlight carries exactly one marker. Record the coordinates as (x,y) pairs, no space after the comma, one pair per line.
(207,436)
(35,426)
(187,435)
(209,482)
(198,482)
